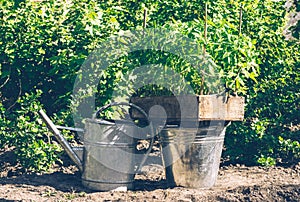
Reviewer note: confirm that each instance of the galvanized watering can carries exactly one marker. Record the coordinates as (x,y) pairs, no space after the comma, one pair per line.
(109,160)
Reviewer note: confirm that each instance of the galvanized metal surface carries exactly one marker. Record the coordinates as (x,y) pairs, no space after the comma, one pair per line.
(192,156)
(108,156)
(107,160)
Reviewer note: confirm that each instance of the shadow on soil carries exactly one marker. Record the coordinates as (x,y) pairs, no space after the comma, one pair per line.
(72,182)
(69,180)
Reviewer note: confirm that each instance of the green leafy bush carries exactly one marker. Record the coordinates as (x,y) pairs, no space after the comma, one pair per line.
(273,102)
(5,126)
(33,143)
(24,130)
(43,44)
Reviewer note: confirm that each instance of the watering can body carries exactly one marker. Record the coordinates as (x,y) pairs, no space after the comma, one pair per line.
(108,160)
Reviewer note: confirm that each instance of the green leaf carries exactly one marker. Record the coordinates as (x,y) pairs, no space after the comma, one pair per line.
(252,76)
(41,51)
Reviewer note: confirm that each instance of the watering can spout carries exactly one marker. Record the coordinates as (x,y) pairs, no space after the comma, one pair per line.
(62,140)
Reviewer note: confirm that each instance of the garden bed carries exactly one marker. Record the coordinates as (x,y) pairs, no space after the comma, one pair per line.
(234,183)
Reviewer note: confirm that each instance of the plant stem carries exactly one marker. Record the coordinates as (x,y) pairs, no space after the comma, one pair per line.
(205,27)
(204,46)
(240,32)
(241,20)
(145,18)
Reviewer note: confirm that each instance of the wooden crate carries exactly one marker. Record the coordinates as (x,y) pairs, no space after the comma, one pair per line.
(202,107)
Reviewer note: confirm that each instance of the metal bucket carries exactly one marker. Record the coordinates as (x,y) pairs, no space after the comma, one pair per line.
(192,155)
(109,153)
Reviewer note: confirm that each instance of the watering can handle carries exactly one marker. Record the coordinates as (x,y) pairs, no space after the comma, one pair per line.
(144,114)
(118,104)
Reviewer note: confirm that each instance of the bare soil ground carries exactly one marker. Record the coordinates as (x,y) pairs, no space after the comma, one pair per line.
(234,183)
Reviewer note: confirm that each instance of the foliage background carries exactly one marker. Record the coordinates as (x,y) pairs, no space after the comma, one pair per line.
(43,44)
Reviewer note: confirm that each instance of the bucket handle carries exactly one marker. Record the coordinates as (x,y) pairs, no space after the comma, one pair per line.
(143,113)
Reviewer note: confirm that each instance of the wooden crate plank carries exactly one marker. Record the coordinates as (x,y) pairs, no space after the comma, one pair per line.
(235,108)
(204,107)
(212,108)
